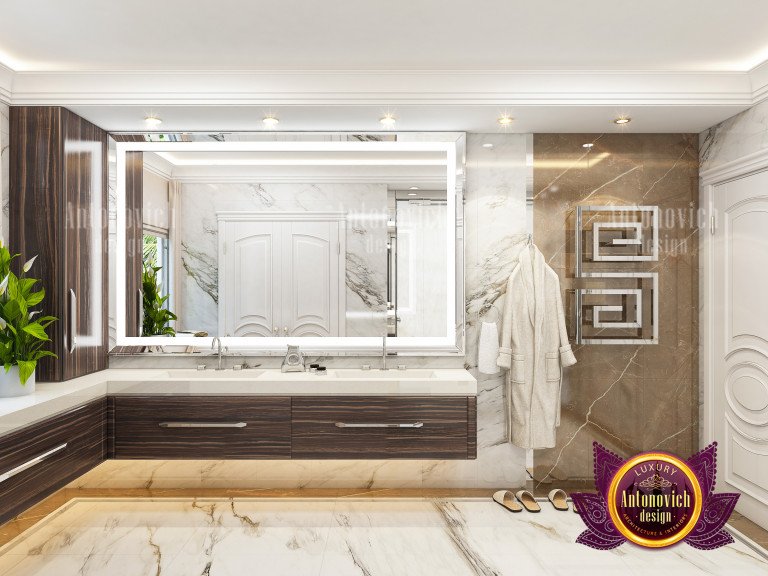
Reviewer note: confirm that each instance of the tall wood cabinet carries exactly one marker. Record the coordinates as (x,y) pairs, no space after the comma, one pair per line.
(58,211)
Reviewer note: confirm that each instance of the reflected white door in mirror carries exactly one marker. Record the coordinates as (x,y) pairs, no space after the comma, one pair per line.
(282,274)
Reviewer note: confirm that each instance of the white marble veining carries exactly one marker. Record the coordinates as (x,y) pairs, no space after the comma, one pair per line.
(366,239)
(739,136)
(346,536)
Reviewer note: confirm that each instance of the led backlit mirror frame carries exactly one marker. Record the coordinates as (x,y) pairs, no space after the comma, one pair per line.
(450,344)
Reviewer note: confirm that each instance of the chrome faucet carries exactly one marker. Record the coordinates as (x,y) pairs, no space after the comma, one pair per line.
(384,353)
(216,340)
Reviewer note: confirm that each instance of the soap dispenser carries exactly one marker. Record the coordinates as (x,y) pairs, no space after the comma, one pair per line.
(293,361)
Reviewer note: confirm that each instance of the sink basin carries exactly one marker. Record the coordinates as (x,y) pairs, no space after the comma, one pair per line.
(212,374)
(376,374)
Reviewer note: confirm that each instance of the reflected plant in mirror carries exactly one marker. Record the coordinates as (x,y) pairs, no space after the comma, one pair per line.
(154,287)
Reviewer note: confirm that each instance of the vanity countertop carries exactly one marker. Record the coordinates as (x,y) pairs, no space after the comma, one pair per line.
(53,398)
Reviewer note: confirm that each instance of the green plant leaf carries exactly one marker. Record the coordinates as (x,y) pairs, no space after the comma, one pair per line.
(34,329)
(11,310)
(43,353)
(35,298)
(26,368)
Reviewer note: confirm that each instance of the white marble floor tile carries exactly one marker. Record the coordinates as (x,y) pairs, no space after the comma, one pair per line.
(369,537)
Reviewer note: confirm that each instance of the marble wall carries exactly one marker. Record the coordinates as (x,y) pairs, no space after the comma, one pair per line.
(366,240)
(732,139)
(4,159)
(629,397)
(495,230)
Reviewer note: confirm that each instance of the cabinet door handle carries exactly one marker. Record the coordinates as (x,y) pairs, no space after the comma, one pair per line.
(380,425)
(202,424)
(33,462)
(72,320)
(285,330)
(276,330)
(140,312)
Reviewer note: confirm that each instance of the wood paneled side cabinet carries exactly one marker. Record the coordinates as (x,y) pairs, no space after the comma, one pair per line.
(38,460)
(58,211)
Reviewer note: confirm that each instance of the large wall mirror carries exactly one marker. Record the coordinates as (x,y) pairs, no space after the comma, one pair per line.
(328,244)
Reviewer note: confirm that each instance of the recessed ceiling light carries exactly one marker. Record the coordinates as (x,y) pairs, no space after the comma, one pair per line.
(505,120)
(153,121)
(413,188)
(622,120)
(270,121)
(587,145)
(488,145)
(388,120)
(412,194)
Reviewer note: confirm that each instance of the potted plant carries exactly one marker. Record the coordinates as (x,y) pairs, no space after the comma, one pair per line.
(157,317)
(22,330)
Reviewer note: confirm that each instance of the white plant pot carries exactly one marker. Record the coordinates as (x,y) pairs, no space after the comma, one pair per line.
(10,384)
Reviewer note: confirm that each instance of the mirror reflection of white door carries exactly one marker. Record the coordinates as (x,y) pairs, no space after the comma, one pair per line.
(421,262)
(281,274)
(740,342)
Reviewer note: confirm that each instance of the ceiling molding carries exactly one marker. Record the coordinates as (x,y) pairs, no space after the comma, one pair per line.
(6,83)
(390,88)
(759,78)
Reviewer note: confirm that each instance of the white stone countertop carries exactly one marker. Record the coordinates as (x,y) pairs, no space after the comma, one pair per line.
(50,399)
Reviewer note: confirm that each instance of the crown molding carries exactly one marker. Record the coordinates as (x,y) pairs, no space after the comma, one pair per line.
(365,88)
(392,87)
(6,83)
(759,78)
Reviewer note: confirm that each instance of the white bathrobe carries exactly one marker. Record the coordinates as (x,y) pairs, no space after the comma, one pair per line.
(534,349)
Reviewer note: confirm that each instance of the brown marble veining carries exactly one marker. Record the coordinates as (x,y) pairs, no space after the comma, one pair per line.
(629,397)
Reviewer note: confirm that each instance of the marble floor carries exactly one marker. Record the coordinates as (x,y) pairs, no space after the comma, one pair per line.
(333,536)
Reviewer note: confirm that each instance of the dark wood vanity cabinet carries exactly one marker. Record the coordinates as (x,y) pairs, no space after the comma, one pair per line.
(201,427)
(58,211)
(38,460)
(299,427)
(390,427)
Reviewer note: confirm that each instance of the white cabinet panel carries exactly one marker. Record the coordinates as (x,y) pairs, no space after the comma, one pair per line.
(281,278)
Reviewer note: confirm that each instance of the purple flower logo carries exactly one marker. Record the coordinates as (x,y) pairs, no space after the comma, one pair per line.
(655,499)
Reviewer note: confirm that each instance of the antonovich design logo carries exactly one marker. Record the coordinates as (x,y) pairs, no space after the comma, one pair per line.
(655,499)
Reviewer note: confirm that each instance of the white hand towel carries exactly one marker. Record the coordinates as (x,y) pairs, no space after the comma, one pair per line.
(488,348)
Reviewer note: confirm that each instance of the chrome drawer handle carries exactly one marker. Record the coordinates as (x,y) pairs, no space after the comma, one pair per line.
(203,424)
(29,463)
(72,321)
(377,425)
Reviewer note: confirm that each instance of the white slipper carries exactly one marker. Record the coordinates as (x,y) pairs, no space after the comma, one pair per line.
(528,501)
(559,499)
(507,499)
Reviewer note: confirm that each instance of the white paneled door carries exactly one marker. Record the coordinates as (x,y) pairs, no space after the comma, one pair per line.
(281,277)
(739,341)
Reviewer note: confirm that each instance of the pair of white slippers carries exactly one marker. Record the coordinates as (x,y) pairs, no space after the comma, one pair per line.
(524,499)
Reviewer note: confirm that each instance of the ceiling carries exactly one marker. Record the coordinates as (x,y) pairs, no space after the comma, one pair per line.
(688,35)
(339,64)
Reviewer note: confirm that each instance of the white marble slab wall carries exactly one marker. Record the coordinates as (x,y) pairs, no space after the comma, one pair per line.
(739,136)
(495,227)
(366,239)
(4,169)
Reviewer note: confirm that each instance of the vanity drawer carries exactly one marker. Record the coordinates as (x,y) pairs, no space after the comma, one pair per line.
(201,427)
(38,460)
(380,427)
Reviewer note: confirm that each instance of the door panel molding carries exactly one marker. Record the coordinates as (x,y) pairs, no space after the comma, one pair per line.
(734,355)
